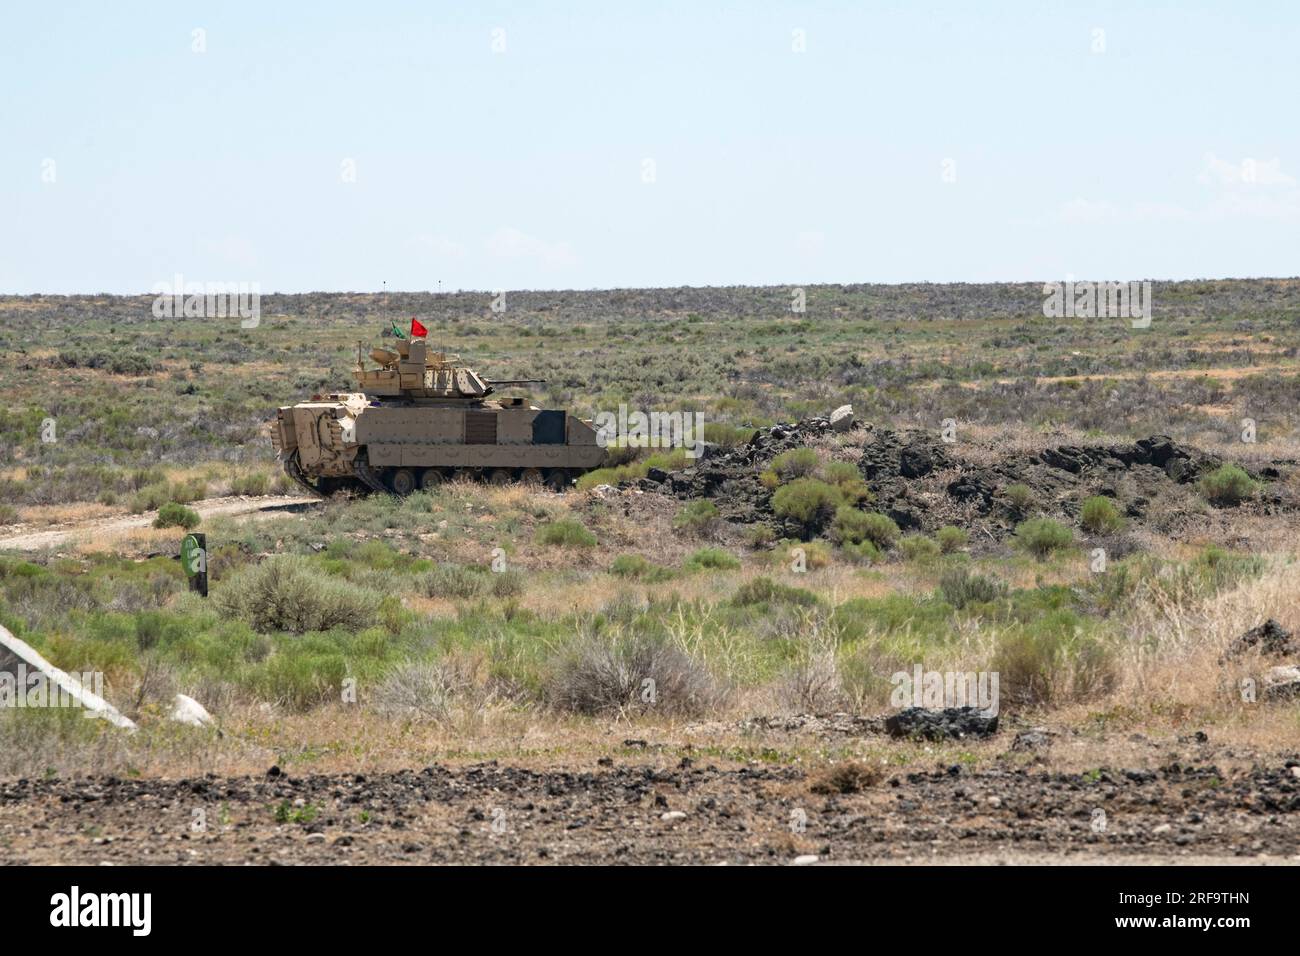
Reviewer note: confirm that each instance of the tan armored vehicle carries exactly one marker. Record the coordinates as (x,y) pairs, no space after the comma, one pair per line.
(421,418)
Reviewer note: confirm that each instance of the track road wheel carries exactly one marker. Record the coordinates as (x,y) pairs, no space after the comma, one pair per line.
(557,479)
(531,476)
(430,478)
(500,476)
(402,481)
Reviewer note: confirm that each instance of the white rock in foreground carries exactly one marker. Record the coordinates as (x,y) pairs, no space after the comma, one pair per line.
(842,418)
(187,710)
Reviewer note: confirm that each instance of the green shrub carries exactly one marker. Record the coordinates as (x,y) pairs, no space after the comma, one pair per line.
(1227,485)
(796,463)
(712,559)
(156,495)
(917,547)
(173,515)
(951,538)
(639,568)
(285,593)
(863,552)
(565,533)
(806,500)
(8,514)
(604,674)
(1098,515)
(699,517)
(506,584)
(767,591)
(254,484)
(454,581)
(1219,569)
(1052,661)
(1020,496)
(299,679)
(846,477)
(760,536)
(960,588)
(727,436)
(1042,536)
(852,526)
(816,554)
(841,472)
(606,476)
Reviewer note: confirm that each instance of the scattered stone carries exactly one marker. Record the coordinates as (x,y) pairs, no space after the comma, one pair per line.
(849,725)
(1281,683)
(807,859)
(672,816)
(994,802)
(951,723)
(1036,738)
(1163,828)
(1271,638)
(315,838)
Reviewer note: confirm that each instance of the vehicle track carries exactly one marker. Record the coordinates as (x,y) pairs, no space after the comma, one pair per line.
(29,538)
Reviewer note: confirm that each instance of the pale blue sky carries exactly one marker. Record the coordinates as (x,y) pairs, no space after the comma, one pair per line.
(1175,153)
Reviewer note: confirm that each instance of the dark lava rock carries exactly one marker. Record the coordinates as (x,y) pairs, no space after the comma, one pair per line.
(915,461)
(1067,458)
(905,516)
(970,488)
(1271,638)
(904,468)
(951,723)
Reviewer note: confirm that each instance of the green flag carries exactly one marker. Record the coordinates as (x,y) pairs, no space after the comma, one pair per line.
(398,333)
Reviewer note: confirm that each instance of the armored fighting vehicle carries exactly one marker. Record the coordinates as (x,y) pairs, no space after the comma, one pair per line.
(421,417)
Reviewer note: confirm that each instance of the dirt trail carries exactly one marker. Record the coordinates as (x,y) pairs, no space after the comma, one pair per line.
(24,538)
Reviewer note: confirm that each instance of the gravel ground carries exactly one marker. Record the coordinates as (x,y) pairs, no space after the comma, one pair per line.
(641,812)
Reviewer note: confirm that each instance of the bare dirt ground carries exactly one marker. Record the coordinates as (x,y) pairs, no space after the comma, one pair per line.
(103,529)
(648,811)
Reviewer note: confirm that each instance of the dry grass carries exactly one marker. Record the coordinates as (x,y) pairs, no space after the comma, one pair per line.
(47,515)
(1174,659)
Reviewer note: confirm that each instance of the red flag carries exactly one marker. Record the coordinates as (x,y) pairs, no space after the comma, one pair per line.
(418,331)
